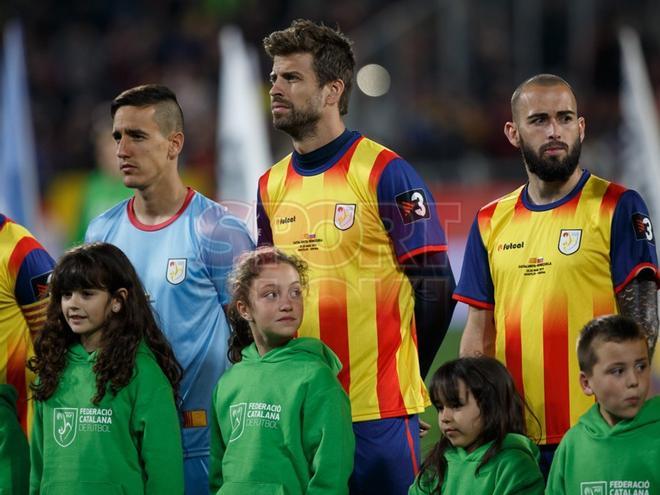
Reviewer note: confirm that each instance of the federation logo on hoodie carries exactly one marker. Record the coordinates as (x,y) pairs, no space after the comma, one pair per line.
(65,425)
(237,418)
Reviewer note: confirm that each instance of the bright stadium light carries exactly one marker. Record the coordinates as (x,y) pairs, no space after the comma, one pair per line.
(373,80)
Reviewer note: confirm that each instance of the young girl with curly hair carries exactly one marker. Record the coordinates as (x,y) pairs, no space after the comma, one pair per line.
(483,449)
(106,421)
(280,423)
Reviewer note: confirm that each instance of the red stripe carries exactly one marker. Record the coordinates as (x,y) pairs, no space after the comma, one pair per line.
(611,198)
(382,160)
(16,377)
(388,329)
(338,172)
(293,179)
(634,272)
(473,302)
(23,247)
(520,211)
(485,214)
(130,209)
(555,360)
(424,249)
(263,188)
(411,446)
(513,346)
(333,323)
(568,208)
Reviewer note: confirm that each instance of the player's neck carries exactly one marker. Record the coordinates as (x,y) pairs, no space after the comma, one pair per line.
(542,192)
(159,202)
(326,130)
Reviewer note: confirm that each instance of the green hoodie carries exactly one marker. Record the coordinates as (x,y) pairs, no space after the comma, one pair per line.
(281,424)
(14,455)
(514,470)
(595,458)
(129,444)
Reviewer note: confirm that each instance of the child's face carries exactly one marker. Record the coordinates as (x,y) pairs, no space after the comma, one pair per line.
(86,311)
(619,379)
(461,424)
(276,307)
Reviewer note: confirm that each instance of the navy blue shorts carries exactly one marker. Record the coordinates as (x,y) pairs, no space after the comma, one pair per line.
(386,456)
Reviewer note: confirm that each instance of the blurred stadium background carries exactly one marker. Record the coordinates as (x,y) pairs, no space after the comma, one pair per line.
(439,94)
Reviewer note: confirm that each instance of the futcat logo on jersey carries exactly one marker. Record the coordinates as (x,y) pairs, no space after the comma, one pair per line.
(569,241)
(68,421)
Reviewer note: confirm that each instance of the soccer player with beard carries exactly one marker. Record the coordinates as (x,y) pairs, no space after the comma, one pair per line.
(545,259)
(379,279)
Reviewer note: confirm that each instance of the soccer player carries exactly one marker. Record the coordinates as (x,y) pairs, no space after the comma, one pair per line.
(545,259)
(367,225)
(182,245)
(24,270)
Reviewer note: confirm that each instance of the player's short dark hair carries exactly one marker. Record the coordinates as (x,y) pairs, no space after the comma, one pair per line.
(610,328)
(168,116)
(537,80)
(331,50)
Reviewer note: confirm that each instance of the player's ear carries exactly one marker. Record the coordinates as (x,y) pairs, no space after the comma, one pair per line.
(334,91)
(175,145)
(584,383)
(511,133)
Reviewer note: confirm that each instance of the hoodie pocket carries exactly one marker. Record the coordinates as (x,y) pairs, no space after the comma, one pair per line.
(82,488)
(251,487)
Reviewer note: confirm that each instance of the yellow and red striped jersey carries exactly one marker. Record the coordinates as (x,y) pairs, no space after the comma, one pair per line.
(546,271)
(354,219)
(24,270)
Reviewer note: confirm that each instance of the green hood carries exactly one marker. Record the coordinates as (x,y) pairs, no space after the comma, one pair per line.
(300,349)
(596,427)
(512,441)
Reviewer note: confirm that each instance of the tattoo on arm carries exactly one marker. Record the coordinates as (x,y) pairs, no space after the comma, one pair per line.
(639,301)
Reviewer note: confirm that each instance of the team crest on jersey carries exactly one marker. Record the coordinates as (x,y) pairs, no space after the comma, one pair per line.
(344,216)
(237,413)
(569,241)
(176,270)
(65,425)
(593,488)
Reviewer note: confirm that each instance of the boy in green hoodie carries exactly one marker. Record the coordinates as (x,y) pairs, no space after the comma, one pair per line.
(615,447)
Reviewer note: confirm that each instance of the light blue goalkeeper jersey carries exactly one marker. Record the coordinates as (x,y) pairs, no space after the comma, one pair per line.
(183,264)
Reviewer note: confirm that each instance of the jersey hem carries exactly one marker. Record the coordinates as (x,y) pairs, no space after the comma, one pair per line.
(390,414)
(473,302)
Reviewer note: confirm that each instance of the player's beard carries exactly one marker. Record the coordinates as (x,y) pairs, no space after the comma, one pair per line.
(551,168)
(298,123)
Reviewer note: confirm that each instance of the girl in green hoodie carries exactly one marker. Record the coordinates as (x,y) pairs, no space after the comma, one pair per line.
(280,423)
(483,449)
(105,417)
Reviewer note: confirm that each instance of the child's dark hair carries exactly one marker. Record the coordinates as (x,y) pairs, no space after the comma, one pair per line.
(246,269)
(100,266)
(610,328)
(502,410)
